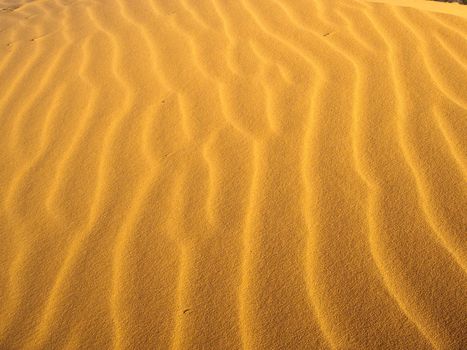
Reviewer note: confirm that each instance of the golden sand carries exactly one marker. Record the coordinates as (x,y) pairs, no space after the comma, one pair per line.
(233,174)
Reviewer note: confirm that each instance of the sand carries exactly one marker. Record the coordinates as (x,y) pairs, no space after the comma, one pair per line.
(219,174)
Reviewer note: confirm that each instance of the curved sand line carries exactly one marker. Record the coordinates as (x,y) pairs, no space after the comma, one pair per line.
(215,174)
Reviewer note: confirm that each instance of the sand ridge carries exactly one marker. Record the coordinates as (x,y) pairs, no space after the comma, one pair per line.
(216,174)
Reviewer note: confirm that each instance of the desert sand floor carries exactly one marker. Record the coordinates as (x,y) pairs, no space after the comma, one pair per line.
(233,174)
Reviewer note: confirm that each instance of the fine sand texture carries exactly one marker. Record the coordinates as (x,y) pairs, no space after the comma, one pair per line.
(233,174)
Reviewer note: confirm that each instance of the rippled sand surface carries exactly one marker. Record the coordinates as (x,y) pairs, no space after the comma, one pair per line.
(220,174)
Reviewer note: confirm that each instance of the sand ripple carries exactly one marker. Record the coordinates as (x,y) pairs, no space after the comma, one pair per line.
(212,174)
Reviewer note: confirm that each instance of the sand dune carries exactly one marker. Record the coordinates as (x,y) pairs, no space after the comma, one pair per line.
(214,174)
